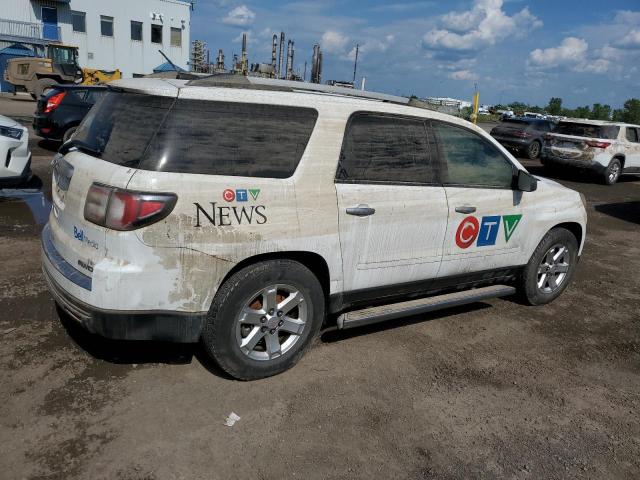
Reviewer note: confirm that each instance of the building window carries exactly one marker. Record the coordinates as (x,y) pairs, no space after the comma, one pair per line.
(78,19)
(156,33)
(136,31)
(176,37)
(106,26)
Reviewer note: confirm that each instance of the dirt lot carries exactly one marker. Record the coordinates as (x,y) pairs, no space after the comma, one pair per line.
(491,390)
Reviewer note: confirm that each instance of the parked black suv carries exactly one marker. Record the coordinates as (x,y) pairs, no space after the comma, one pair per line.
(61,109)
(523,134)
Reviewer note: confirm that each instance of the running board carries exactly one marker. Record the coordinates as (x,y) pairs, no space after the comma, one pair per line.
(371,315)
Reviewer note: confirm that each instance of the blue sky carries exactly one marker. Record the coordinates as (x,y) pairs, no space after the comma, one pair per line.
(527,50)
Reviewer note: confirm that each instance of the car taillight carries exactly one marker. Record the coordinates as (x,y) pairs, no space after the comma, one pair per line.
(597,144)
(523,134)
(121,209)
(54,101)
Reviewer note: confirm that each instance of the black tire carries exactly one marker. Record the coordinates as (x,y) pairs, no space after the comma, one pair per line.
(612,172)
(42,86)
(67,135)
(220,333)
(529,288)
(533,150)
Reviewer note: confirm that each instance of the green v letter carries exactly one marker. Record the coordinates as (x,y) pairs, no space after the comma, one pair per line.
(510,223)
(254,193)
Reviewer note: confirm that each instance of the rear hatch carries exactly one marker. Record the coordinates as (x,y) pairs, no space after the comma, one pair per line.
(107,147)
(511,129)
(575,140)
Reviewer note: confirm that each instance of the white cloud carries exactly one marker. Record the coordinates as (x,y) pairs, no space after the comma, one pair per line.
(372,45)
(333,41)
(463,75)
(484,25)
(572,53)
(630,40)
(240,16)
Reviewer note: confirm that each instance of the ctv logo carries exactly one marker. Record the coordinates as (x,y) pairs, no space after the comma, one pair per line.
(486,230)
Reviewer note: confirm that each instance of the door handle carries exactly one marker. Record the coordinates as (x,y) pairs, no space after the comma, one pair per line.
(465,209)
(361,211)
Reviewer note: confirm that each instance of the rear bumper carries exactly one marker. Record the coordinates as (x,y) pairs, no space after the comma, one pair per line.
(44,127)
(120,325)
(587,164)
(519,143)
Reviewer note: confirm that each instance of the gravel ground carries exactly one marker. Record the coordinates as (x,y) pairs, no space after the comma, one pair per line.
(490,390)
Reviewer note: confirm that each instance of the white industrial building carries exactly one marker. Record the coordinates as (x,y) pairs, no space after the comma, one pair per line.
(110,34)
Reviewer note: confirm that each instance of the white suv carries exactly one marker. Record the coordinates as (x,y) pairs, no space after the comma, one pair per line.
(245,213)
(609,149)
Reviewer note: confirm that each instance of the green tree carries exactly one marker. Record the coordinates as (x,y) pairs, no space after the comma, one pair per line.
(600,112)
(618,115)
(582,112)
(631,111)
(555,106)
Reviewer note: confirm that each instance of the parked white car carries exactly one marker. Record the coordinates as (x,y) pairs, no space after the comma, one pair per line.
(609,149)
(15,157)
(243,216)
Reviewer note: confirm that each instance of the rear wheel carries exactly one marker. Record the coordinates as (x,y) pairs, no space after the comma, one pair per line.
(612,172)
(67,135)
(550,268)
(263,319)
(533,150)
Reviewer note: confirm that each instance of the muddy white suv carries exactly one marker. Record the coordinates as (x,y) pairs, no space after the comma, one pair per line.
(606,148)
(246,214)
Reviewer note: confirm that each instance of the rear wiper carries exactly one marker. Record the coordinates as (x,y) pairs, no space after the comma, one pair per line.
(79,145)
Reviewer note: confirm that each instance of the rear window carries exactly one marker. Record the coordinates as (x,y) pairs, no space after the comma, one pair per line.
(588,130)
(195,136)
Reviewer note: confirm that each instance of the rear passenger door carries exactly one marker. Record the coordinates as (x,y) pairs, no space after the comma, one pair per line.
(486,227)
(632,149)
(392,211)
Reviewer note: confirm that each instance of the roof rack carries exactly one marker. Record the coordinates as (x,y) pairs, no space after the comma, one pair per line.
(229,80)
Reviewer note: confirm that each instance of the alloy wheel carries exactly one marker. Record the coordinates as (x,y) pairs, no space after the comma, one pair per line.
(553,268)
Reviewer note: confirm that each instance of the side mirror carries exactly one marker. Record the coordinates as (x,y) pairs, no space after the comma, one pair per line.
(525,182)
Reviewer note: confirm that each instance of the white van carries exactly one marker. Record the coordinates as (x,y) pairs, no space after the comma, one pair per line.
(245,213)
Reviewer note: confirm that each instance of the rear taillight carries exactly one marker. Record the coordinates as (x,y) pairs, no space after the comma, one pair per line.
(597,144)
(54,101)
(523,134)
(121,209)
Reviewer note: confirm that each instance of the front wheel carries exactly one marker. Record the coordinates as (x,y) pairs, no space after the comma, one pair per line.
(263,319)
(550,268)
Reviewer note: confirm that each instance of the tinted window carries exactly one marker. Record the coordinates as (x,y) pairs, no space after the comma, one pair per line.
(93,95)
(587,130)
(120,126)
(79,22)
(385,149)
(471,159)
(156,33)
(632,135)
(106,26)
(240,139)
(136,31)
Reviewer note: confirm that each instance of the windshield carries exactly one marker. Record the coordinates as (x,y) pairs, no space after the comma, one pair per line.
(588,130)
(63,55)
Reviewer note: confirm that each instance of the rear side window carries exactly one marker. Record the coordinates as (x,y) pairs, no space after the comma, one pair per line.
(225,138)
(195,136)
(380,148)
(632,134)
(470,159)
(588,130)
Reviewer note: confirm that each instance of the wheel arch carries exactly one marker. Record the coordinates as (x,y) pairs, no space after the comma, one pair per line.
(313,261)
(621,157)
(575,228)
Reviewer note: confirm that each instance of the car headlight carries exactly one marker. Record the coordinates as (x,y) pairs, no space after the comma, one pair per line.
(11,132)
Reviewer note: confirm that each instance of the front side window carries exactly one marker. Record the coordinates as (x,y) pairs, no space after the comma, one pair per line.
(176,37)
(136,31)
(468,159)
(78,20)
(156,33)
(106,26)
(380,148)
